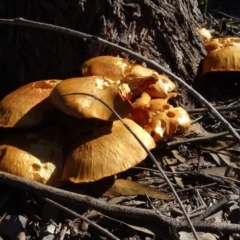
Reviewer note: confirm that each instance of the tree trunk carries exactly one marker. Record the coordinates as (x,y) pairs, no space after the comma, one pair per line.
(164,31)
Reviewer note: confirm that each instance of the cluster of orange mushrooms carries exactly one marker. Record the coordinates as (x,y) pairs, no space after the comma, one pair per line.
(66,134)
(223,54)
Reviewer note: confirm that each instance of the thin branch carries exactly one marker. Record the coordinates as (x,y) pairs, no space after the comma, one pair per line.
(99,228)
(112,209)
(151,63)
(199,139)
(220,109)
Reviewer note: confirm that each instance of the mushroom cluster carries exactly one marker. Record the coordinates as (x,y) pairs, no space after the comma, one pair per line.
(150,107)
(67,134)
(223,54)
(222,63)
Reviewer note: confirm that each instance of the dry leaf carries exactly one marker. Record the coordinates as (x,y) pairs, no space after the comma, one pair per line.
(178,156)
(222,143)
(201,235)
(125,188)
(225,158)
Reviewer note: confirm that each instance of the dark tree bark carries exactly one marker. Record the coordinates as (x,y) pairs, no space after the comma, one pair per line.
(164,31)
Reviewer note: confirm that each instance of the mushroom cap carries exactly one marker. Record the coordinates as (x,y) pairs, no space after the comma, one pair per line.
(79,106)
(218,43)
(114,68)
(118,69)
(222,59)
(26,106)
(210,46)
(35,155)
(106,151)
(205,34)
(161,88)
(158,117)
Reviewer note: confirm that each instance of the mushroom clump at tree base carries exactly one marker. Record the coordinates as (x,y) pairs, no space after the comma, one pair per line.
(118,69)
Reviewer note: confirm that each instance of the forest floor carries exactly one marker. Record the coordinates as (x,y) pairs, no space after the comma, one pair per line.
(201,163)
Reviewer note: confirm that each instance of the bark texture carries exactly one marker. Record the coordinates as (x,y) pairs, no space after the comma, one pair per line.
(164,31)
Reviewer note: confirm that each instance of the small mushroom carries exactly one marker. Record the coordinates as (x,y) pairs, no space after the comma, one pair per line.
(26,106)
(168,122)
(106,150)
(80,106)
(118,69)
(36,155)
(205,34)
(158,117)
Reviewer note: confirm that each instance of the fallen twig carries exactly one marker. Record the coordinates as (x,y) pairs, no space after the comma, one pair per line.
(216,207)
(135,213)
(211,136)
(151,63)
(105,232)
(220,109)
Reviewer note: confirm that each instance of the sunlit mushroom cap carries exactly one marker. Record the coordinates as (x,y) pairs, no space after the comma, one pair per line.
(114,68)
(223,59)
(35,155)
(161,88)
(119,69)
(168,122)
(158,117)
(80,106)
(205,34)
(218,43)
(26,106)
(106,151)
(212,45)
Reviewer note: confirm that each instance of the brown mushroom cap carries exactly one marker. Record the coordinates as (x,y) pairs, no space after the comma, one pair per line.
(158,117)
(25,107)
(108,150)
(218,43)
(35,155)
(85,106)
(118,69)
(210,46)
(205,34)
(161,88)
(113,68)
(223,59)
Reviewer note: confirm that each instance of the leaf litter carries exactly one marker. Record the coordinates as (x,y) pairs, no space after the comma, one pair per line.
(217,157)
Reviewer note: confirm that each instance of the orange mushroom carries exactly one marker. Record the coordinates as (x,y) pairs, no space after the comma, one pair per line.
(223,60)
(218,43)
(26,106)
(205,34)
(118,69)
(158,117)
(106,150)
(36,155)
(86,106)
